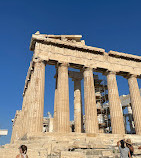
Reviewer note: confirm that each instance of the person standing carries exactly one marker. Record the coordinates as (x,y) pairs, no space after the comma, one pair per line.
(23,151)
(130,146)
(124,151)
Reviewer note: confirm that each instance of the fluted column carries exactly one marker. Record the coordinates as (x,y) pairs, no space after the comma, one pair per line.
(55,106)
(17,127)
(36,107)
(25,105)
(63,117)
(91,122)
(78,122)
(23,117)
(24,109)
(27,95)
(116,114)
(135,102)
(51,123)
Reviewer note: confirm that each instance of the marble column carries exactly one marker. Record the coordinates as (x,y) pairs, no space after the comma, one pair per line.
(36,107)
(27,95)
(135,102)
(55,106)
(51,123)
(26,99)
(91,122)
(17,127)
(23,116)
(24,110)
(116,114)
(78,122)
(62,113)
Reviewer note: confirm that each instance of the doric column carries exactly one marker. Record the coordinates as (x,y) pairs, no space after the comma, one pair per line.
(51,123)
(63,117)
(24,109)
(78,122)
(23,116)
(26,104)
(17,127)
(116,114)
(135,102)
(27,95)
(91,122)
(36,107)
(55,105)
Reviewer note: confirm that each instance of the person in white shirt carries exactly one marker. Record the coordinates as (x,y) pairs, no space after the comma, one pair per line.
(23,151)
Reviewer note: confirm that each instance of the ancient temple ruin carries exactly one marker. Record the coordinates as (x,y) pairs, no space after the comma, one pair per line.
(66,51)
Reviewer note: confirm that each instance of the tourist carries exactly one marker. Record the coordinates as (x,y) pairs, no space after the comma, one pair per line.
(23,151)
(124,151)
(130,146)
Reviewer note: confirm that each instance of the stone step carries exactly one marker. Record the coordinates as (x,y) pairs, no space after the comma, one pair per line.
(105,138)
(106,154)
(85,153)
(8,153)
(62,145)
(71,146)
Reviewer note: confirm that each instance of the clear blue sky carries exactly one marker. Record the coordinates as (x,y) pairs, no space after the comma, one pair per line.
(109,24)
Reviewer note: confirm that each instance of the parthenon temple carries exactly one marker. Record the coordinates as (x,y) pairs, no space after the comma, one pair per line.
(102,122)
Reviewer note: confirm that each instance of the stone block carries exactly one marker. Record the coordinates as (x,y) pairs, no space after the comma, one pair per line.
(67,154)
(107,153)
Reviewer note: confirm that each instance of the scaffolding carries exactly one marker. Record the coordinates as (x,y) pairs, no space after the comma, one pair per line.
(101,102)
(103,110)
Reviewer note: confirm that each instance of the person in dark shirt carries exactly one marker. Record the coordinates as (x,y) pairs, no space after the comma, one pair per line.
(130,146)
(124,151)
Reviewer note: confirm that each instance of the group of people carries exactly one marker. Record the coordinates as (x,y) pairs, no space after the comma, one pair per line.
(126,148)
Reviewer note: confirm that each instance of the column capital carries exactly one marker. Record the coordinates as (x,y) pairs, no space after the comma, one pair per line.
(108,72)
(87,68)
(62,64)
(38,60)
(131,76)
